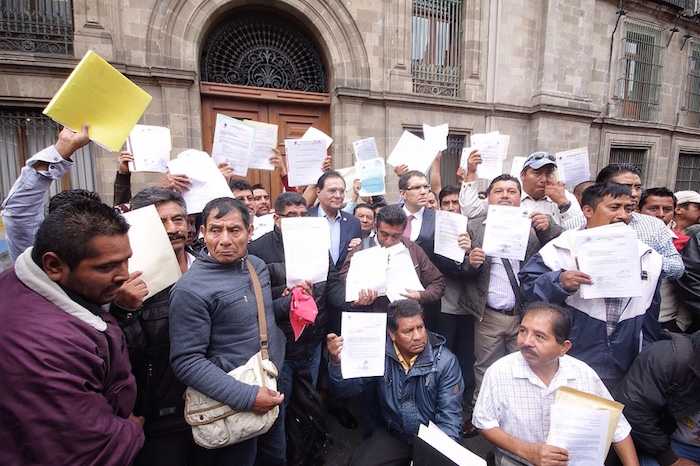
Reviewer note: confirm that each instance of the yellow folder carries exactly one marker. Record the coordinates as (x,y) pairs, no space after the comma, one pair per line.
(98,94)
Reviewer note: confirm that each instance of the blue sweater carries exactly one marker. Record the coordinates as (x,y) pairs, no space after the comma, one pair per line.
(214,327)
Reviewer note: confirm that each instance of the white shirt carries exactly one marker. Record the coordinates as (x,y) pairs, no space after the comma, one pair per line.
(513,398)
(500,294)
(472,206)
(416,222)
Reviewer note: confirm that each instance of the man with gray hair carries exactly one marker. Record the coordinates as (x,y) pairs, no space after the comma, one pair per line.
(145,325)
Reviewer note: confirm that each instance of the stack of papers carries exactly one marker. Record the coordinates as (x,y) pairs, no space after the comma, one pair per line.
(150,146)
(388,271)
(243,144)
(207,181)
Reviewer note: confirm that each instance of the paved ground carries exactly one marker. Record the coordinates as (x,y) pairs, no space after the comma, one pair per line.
(343,442)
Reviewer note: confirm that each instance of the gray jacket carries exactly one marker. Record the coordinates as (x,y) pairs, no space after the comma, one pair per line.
(214,327)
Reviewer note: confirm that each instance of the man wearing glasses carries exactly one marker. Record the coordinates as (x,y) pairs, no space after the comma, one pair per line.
(541,192)
(420,228)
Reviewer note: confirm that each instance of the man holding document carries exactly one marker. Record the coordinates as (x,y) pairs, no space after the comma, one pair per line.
(391,222)
(610,298)
(513,410)
(422,382)
(491,291)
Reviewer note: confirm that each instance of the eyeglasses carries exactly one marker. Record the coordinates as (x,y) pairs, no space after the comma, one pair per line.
(419,187)
(293,214)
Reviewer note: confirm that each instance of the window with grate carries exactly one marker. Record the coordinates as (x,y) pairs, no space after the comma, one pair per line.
(37,26)
(449,162)
(261,50)
(641,66)
(688,173)
(23,133)
(693,83)
(435,54)
(627,155)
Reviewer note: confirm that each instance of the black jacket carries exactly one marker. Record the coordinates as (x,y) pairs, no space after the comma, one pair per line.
(648,397)
(688,285)
(159,392)
(270,249)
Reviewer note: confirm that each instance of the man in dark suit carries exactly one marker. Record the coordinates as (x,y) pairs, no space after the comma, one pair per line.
(344,227)
(420,228)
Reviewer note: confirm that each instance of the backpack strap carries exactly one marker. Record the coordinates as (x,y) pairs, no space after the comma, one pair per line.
(684,354)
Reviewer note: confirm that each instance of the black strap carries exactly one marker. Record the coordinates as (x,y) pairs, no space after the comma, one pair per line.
(513,284)
(684,354)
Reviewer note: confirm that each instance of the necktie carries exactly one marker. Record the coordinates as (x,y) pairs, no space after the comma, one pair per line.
(407,230)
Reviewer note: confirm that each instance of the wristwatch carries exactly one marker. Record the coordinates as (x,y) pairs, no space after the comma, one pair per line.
(564,207)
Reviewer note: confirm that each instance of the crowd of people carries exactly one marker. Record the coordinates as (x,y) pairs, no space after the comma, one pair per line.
(95,368)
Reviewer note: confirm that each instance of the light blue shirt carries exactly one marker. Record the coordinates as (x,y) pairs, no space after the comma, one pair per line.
(334,226)
(23,210)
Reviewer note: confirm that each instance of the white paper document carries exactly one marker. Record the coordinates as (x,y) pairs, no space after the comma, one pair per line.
(401,274)
(312,134)
(582,431)
(573,166)
(348,174)
(611,258)
(436,136)
(150,146)
(367,272)
(207,181)
(364,339)
(261,225)
(448,226)
(265,140)
(440,441)
(233,143)
(365,149)
(516,166)
(371,174)
(493,148)
(304,160)
(306,243)
(152,252)
(413,152)
(507,232)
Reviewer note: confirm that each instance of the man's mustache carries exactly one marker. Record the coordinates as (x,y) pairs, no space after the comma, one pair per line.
(174,236)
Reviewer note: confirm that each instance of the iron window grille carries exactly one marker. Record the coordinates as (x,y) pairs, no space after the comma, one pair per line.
(693,89)
(641,67)
(257,49)
(688,173)
(23,133)
(37,26)
(628,155)
(435,51)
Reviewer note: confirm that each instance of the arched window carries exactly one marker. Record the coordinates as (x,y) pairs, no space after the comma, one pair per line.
(258,49)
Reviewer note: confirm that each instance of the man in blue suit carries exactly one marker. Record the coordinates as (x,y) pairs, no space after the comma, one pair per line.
(344,227)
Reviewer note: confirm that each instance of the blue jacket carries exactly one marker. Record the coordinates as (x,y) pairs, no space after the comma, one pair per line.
(612,356)
(431,391)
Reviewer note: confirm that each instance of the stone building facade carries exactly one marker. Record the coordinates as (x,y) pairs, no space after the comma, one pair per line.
(620,77)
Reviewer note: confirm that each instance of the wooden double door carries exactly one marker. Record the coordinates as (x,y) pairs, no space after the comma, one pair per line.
(292,112)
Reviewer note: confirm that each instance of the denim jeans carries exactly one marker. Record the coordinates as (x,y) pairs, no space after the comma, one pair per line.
(682,449)
(291,366)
